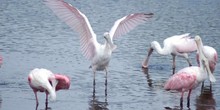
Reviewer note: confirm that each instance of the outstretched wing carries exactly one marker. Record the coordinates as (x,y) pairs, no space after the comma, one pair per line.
(127,23)
(78,22)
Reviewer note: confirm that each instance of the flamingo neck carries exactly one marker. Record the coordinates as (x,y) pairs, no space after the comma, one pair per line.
(110,45)
(201,76)
(156,46)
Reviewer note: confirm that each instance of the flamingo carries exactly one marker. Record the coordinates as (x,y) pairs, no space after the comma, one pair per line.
(1,60)
(189,78)
(212,56)
(99,54)
(177,45)
(44,80)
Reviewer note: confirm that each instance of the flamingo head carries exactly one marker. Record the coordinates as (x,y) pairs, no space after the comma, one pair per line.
(197,39)
(154,45)
(107,37)
(63,82)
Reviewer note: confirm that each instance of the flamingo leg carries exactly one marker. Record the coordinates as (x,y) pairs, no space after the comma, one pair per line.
(181,100)
(202,86)
(106,81)
(145,62)
(188,98)
(94,78)
(106,76)
(174,63)
(37,103)
(187,59)
(46,103)
(93,92)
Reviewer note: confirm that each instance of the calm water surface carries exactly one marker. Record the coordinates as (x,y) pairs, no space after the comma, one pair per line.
(32,36)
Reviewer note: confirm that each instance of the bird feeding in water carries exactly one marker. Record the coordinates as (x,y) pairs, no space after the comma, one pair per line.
(44,80)
(177,45)
(99,54)
(189,78)
(212,56)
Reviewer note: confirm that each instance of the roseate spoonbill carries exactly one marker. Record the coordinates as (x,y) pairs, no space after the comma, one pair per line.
(189,78)
(1,60)
(212,56)
(44,80)
(98,53)
(177,45)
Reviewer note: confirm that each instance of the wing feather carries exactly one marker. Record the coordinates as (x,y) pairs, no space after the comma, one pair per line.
(127,23)
(77,21)
(180,82)
(184,43)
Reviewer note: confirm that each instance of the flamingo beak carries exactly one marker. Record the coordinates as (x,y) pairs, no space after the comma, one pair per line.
(206,67)
(203,59)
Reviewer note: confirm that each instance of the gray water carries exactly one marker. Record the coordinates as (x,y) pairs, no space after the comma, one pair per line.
(31,36)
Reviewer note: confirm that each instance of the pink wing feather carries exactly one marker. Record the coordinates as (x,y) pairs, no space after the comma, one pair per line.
(127,23)
(180,81)
(78,22)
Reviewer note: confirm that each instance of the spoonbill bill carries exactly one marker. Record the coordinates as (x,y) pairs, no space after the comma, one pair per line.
(99,54)
(177,45)
(212,56)
(44,80)
(189,78)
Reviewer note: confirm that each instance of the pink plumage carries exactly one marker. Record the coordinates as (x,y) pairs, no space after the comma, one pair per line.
(44,80)
(177,45)
(1,60)
(189,78)
(182,80)
(99,54)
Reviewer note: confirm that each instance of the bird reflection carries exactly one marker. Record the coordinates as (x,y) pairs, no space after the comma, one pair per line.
(149,80)
(0,102)
(205,100)
(95,104)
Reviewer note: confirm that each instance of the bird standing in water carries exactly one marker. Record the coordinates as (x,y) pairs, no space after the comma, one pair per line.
(212,56)
(189,78)
(99,54)
(177,45)
(43,80)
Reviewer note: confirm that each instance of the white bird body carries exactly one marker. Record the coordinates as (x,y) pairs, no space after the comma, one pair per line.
(189,78)
(177,45)
(39,81)
(101,60)
(211,54)
(44,80)
(99,54)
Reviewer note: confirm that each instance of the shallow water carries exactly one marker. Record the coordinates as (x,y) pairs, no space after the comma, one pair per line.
(32,36)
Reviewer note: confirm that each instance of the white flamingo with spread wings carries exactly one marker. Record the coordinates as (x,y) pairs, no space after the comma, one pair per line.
(98,53)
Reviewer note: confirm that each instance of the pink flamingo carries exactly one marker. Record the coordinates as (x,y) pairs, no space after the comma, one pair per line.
(43,80)
(177,45)
(189,78)
(99,54)
(212,56)
(1,60)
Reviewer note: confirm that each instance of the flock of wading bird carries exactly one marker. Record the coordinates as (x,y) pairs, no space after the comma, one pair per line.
(186,79)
